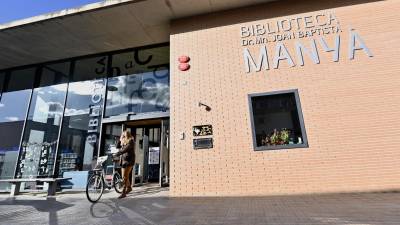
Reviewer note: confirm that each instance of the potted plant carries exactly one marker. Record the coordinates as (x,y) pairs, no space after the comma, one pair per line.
(284,136)
(275,137)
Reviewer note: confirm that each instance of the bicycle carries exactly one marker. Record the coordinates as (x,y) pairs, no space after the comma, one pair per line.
(97,181)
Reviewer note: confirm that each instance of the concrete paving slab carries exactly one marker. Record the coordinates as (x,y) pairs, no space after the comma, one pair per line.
(151,205)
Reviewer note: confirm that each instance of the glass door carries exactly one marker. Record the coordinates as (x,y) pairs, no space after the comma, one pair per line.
(164,153)
(154,137)
(111,134)
(151,148)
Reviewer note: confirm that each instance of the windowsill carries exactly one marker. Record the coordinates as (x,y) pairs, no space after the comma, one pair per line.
(281,147)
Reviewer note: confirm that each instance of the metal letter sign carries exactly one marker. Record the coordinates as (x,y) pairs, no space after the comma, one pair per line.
(316,28)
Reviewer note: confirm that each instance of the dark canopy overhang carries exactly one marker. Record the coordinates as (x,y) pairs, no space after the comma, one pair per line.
(99,27)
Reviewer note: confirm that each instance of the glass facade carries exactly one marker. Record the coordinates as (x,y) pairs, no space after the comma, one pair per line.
(13,108)
(50,114)
(83,113)
(40,139)
(2,78)
(139,82)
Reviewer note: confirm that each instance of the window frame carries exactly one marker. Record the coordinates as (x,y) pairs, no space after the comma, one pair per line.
(299,113)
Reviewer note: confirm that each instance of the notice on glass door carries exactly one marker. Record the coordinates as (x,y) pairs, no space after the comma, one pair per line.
(154,155)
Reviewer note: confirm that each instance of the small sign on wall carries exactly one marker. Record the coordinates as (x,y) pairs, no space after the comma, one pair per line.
(202,143)
(202,130)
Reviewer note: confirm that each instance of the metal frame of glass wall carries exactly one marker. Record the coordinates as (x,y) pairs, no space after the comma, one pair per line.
(72,64)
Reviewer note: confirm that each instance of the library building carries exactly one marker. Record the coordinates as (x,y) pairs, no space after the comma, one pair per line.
(223,97)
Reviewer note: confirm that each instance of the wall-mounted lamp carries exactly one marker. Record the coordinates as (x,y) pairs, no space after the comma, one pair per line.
(208,108)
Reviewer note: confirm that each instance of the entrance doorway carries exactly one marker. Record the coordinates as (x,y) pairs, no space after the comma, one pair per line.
(151,148)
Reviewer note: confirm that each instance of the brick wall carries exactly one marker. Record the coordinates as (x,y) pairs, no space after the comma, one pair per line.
(351,108)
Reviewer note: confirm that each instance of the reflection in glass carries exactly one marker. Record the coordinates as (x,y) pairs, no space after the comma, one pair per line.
(112,133)
(43,123)
(13,106)
(82,117)
(90,68)
(139,83)
(2,78)
(110,138)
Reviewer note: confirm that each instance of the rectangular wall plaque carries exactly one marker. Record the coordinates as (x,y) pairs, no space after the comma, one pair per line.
(202,130)
(201,143)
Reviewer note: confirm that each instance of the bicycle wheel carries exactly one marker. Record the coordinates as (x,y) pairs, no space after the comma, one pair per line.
(118,183)
(94,187)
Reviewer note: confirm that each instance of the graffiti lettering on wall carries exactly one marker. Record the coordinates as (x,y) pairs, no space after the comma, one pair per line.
(316,27)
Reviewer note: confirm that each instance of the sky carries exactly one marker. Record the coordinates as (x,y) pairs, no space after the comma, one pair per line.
(11,10)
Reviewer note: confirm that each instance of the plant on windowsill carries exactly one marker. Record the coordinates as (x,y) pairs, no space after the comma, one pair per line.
(274,139)
(284,136)
(278,137)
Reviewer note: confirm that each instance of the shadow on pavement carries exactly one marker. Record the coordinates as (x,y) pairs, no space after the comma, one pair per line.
(332,209)
(140,206)
(329,209)
(122,212)
(49,205)
(147,191)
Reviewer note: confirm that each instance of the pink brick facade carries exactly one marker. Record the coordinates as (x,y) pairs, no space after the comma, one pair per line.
(351,108)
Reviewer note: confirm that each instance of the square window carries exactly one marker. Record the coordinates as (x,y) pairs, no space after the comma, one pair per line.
(277,121)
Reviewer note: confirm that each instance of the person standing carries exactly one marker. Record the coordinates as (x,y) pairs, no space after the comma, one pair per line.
(127,153)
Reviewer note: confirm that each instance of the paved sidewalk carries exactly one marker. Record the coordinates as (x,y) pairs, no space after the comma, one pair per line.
(151,205)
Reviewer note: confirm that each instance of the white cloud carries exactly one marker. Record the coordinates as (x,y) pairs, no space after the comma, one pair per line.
(60,87)
(74,112)
(12,118)
(86,87)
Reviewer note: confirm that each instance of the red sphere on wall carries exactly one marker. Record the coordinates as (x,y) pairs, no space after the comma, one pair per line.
(184,59)
(183,66)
